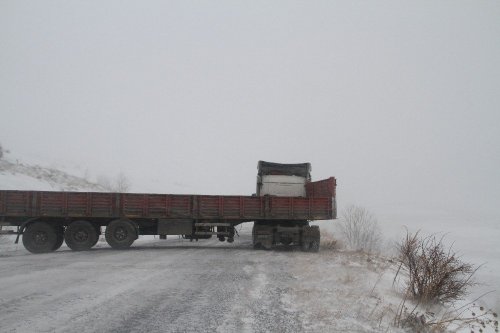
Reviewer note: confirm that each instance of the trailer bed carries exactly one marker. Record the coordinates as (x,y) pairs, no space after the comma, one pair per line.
(16,206)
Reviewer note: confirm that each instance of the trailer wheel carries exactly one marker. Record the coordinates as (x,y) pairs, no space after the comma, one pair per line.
(40,237)
(98,233)
(96,240)
(80,235)
(120,234)
(60,237)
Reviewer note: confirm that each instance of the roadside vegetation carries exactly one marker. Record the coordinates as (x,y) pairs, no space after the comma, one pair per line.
(360,230)
(435,279)
(432,280)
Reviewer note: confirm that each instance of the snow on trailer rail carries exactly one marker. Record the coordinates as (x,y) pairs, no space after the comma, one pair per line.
(45,219)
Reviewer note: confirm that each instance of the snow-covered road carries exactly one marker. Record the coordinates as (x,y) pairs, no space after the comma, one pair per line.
(179,286)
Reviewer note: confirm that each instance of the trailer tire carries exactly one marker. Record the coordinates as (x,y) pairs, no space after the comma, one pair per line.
(39,237)
(98,233)
(96,240)
(120,234)
(80,235)
(60,237)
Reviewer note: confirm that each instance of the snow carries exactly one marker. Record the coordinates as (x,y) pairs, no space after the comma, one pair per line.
(24,176)
(180,286)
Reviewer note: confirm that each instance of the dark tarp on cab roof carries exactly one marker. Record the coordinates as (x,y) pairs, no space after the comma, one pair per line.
(297,169)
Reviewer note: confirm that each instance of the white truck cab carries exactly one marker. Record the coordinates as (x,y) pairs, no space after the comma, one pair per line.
(287,180)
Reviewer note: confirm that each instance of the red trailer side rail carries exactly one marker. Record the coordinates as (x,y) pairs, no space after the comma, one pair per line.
(30,204)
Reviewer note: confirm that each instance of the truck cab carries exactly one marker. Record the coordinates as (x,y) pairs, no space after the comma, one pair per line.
(286,180)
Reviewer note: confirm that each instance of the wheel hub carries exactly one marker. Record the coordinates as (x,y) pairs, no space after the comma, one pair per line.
(120,233)
(81,236)
(40,237)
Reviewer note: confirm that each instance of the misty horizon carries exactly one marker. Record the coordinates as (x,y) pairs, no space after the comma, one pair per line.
(399,101)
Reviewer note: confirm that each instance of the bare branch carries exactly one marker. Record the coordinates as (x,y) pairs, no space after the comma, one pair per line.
(360,229)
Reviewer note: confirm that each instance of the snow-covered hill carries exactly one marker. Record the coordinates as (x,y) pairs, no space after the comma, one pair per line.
(16,175)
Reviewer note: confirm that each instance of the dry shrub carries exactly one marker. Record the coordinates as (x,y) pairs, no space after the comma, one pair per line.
(360,229)
(435,273)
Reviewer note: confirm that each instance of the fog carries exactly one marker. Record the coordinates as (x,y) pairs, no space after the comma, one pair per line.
(398,100)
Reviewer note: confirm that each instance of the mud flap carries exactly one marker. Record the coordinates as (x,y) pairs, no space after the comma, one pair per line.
(20,229)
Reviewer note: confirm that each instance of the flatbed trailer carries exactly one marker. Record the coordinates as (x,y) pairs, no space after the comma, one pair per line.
(45,219)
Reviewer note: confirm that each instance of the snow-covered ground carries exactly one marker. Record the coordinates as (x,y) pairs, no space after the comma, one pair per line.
(181,286)
(175,285)
(474,238)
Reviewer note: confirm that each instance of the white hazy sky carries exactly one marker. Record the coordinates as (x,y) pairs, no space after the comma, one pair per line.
(400,100)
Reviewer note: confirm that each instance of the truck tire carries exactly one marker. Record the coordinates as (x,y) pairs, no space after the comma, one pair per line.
(305,240)
(40,237)
(310,239)
(80,235)
(314,247)
(60,237)
(256,244)
(315,239)
(120,234)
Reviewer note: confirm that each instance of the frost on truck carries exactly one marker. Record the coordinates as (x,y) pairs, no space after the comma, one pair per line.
(285,202)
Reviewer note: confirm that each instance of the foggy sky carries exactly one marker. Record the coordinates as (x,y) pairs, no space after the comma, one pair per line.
(397,99)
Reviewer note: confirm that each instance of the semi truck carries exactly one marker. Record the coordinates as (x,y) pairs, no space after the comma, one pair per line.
(285,202)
